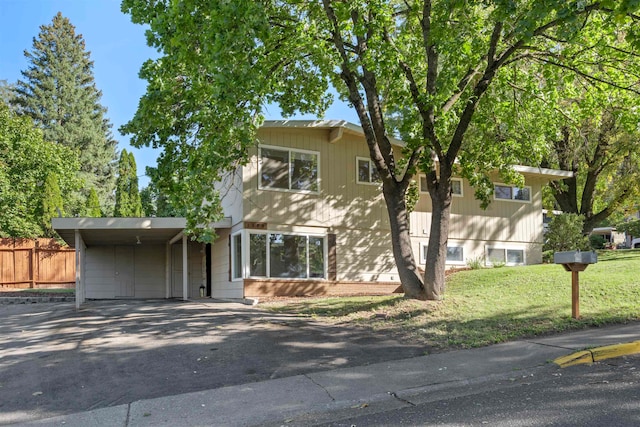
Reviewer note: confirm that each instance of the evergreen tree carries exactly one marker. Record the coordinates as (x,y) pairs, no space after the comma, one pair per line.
(51,203)
(7,91)
(127,196)
(59,93)
(93,205)
(134,194)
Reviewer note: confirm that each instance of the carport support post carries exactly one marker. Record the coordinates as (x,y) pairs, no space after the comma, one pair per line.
(185,269)
(79,269)
(167,271)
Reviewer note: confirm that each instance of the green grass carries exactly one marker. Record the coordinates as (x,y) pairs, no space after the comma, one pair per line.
(488,306)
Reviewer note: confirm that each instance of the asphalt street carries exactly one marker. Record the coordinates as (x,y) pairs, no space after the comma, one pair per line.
(602,394)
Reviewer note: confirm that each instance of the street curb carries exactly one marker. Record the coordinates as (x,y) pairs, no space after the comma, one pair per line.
(599,353)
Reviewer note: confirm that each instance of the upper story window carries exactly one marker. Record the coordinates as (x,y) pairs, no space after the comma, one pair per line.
(289,169)
(456,186)
(508,192)
(366,171)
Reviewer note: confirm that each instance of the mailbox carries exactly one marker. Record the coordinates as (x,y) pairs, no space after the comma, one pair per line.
(575,261)
(575,257)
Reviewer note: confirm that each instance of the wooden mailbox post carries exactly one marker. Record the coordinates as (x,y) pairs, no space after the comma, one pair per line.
(575,262)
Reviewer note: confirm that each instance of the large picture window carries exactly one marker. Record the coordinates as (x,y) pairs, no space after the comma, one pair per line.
(287,169)
(507,192)
(286,255)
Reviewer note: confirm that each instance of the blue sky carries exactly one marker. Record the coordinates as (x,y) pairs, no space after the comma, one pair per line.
(118,48)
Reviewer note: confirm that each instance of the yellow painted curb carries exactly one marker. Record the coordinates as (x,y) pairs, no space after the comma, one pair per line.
(598,353)
(617,350)
(577,358)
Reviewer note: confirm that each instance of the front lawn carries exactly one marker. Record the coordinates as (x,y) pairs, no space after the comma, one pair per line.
(493,305)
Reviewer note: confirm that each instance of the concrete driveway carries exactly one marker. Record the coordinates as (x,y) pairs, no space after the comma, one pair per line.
(55,360)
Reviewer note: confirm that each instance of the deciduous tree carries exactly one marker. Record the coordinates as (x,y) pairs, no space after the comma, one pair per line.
(427,63)
(33,175)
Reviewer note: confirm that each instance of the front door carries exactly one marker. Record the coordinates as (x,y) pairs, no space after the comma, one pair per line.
(124,271)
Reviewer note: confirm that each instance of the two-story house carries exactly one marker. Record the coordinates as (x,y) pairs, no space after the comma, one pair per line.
(304,216)
(307,216)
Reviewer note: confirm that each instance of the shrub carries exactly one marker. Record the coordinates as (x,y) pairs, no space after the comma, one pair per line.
(596,241)
(565,234)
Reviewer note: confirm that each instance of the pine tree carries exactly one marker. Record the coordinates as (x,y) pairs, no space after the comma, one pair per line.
(59,93)
(127,195)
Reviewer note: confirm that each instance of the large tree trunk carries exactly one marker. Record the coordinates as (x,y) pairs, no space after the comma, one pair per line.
(401,243)
(434,277)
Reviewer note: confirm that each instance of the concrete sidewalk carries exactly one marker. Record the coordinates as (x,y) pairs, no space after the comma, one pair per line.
(317,397)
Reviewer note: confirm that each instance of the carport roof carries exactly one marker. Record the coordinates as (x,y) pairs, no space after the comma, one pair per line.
(123,231)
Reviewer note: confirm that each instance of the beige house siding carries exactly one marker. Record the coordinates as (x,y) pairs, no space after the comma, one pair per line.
(504,224)
(231,195)
(340,202)
(221,285)
(364,254)
(356,214)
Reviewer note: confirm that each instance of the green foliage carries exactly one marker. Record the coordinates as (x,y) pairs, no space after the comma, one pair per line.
(632,228)
(155,202)
(51,203)
(596,241)
(565,234)
(33,176)
(437,76)
(128,202)
(475,263)
(59,93)
(7,92)
(412,195)
(92,209)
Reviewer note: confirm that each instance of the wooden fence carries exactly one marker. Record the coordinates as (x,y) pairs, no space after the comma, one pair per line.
(36,263)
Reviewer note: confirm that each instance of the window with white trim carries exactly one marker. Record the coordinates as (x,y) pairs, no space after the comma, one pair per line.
(236,256)
(456,186)
(509,192)
(287,255)
(366,172)
(455,254)
(506,256)
(289,170)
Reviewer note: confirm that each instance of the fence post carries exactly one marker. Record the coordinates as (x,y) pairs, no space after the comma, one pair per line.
(33,273)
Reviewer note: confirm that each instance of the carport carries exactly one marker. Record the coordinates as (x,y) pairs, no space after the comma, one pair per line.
(133,257)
